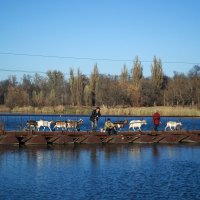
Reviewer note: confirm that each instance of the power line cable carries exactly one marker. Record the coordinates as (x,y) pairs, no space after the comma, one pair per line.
(22,71)
(39,72)
(94,59)
(65,57)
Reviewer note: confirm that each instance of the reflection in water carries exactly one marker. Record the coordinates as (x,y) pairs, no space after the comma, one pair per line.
(155,151)
(41,155)
(110,171)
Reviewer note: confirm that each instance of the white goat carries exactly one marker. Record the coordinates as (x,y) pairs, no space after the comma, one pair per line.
(137,124)
(173,125)
(44,124)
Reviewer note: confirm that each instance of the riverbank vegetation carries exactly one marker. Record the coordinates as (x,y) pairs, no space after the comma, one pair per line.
(129,93)
(134,111)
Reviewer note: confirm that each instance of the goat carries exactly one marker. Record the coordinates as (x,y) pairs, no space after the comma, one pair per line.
(137,124)
(44,124)
(74,124)
(120,124)
(31,125)
(173,125)
(60,124)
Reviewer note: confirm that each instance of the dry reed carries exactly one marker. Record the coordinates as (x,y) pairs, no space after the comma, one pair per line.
(136,111)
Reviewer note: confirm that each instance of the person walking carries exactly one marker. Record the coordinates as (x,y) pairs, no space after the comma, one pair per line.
(94,118)
(156,120)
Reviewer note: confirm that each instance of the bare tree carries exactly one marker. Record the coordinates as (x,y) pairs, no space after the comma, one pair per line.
(147,93)
(79,88)
(176,93)
(137,75)
(3,90)
(124,75)
(93,84)
(194,77)
(38,98)
(72,83)
(157,73)
(56,86)
(128,89)
(16,96)
(157,79)
(87,95)
(27,86)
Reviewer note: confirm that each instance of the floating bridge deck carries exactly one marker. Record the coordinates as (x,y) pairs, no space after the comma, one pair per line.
(80,137)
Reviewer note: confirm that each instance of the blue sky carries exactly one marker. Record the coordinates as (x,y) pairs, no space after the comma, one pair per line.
(117,30)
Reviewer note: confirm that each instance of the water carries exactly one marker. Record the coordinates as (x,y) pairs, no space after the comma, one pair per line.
(18,122)
(100,172)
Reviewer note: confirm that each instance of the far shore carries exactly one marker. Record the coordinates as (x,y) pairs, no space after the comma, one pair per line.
(132,111)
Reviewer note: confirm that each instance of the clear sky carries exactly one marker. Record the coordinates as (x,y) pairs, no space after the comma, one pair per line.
(109,32)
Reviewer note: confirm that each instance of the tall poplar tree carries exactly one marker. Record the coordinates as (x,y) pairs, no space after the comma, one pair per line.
(56,86)
(72,83)
(93,84)
(124,75)
(137,75)
(157,74)
(79,88)
(157,80)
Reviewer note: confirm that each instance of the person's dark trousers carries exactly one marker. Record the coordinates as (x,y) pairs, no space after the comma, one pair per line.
(111,131)
(155,127)
(108,130)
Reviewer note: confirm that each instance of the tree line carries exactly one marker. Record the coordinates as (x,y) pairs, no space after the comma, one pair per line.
(130,88)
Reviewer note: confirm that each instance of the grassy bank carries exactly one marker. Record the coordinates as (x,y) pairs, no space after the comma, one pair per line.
(137,111)
(148,111)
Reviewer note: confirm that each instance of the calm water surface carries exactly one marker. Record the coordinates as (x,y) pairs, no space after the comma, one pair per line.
(100,172)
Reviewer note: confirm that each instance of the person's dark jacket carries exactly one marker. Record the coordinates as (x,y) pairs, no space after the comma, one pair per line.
(95,115)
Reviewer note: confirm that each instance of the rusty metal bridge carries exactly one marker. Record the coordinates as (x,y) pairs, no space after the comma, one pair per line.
(18,136)
(66,138)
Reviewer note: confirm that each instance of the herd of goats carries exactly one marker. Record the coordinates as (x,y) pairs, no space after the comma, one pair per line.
(134,125)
